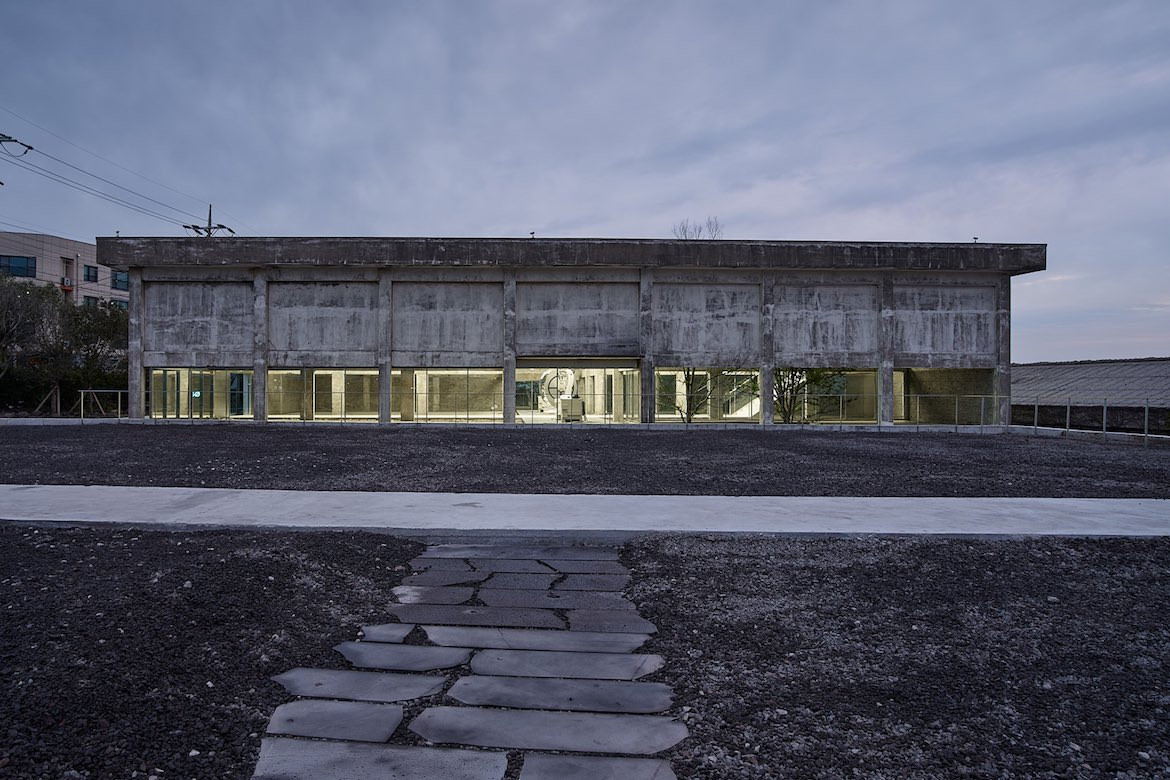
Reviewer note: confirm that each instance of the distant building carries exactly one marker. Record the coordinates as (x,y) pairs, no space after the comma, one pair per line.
(1116,395)
(69,265)
(526,331)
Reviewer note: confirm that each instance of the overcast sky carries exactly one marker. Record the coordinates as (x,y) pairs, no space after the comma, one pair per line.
(1038,121)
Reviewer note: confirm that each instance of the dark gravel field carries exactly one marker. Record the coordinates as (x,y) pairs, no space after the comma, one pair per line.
(699,462)
(126,652)
(912,658)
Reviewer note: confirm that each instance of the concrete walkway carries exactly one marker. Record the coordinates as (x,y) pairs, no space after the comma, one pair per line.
(617,516)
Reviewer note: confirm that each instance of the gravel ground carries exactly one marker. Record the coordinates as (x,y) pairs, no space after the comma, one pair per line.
(125,652)
(701,462)
(912,658)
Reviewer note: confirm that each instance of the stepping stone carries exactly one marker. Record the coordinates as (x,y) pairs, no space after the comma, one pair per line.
(299,759)
(359,686)
(587,567)
(539,693)
(387,632)
(623,620)
(439,578)
(414,594)
(532,639)
(403,658)
(438,564)
(521,581)
(601,582)
(538,730)
(509,565)
(353,720)
(542,766)
(550,663)
(519,552)
(477,616)
(543,599)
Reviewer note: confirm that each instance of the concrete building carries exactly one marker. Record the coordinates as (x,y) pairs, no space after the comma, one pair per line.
(569,330)
(72,266)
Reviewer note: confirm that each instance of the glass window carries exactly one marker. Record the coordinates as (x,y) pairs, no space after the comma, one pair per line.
(447,395)
(120,280)
(117,304)
(91,274)
(705,394)
(198,393)
(89,301)
(946,396)
(577,391)
(323,394)
(18,266)
(824,395)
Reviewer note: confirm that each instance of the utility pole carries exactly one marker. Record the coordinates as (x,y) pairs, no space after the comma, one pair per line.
(7,139)
(209,230)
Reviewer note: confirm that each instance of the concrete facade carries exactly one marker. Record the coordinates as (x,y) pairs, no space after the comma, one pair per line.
(382,315)
(71,266)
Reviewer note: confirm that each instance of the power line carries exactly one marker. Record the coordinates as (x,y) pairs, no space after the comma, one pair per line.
(53,176)
(117,165)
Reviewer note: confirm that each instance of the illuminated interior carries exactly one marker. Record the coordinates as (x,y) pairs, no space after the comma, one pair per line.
(706,394)
(323,394)
(578,391)
(474,395)
(199,393)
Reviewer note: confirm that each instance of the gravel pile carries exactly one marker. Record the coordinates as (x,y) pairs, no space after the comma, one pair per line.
(124,653)
(912,658)
(700,462)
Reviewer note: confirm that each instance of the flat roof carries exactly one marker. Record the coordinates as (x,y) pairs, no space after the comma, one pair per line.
(127,252)
(1131,382)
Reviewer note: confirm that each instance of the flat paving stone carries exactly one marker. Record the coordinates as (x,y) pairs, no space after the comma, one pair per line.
(542,693)
(299,759)
(602,582)
(584,732)
(402,658)
(521,581)
(542,766)
(358,686)
(586,567)
(477,616)
(520,551)
(518,566)
(439,564)
(535,639)
(544,599)
(387,632)
(360,721)
(552,663)
(417,594)
(436,578)
(623,620)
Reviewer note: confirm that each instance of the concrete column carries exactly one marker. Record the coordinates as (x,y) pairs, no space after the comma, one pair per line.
(509,405)
(260,345)
(767,348)
(1003,338)
(646,341)
(885,376)
(135,371)
(385,331)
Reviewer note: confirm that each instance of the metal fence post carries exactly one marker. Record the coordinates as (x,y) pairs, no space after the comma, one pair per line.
(1036,416)
(1068,414)
(82,394)
(1104,415)
(956,414)
(1146,426)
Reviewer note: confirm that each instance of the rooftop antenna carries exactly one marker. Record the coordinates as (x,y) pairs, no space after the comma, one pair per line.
(210,229)
(975,239)
(532,234)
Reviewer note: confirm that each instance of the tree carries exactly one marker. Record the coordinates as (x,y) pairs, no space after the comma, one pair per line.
(792,388)
(687,230)
(704,390)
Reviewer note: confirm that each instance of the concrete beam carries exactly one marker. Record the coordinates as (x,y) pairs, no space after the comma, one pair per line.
(646,341)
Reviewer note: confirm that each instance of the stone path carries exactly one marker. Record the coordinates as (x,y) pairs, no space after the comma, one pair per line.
(499,653)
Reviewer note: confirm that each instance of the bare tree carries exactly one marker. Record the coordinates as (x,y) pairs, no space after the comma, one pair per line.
(704,390)
(687,230)
(793,387)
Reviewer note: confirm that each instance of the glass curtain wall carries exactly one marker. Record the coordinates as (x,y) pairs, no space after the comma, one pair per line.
(945,396)
(707,394)
(323,394)
(474,395)
(824,395)
(578,392)
(199,393)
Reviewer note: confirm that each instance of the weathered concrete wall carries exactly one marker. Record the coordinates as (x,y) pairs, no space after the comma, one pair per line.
(323,324)
(935,324)
(706,324)
(197,324)
(447,324)
(593,319)
(826,326)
